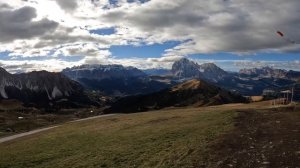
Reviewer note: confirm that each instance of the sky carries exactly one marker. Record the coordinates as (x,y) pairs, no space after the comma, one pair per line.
(55,34)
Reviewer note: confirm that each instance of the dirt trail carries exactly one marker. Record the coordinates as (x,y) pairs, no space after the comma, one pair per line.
(9,138)
(265,138)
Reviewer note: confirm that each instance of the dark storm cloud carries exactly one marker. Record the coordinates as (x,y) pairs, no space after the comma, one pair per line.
(19,24)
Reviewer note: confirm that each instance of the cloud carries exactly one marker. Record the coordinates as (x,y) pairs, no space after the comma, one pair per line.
(19,24)
(30,29)
(4,6)
(80,50)
(53,65)
(294,65)
(93,54)
(214,26)
(166,59)
(68,5)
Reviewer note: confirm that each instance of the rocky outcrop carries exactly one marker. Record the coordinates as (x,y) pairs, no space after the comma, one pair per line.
(40,88)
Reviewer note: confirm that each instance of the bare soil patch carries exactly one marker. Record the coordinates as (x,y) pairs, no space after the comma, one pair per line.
(262,138)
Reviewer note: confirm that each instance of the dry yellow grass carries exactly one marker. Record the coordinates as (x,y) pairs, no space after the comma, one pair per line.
(166,138)
(192,84)
(256,98)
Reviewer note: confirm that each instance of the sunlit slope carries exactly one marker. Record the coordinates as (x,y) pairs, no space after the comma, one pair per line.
(168,138)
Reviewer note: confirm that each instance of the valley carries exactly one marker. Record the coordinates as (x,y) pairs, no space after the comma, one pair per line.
(38,99)
(15,118)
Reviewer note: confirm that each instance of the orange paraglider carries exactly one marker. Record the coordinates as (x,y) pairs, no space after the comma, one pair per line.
(286,38)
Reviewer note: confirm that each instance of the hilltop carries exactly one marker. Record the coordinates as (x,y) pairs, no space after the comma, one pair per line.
(189,93)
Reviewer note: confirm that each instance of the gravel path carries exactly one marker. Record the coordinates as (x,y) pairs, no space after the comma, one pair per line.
(9,138)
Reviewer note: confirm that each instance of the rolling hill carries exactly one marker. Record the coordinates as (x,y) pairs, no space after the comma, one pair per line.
(189,93)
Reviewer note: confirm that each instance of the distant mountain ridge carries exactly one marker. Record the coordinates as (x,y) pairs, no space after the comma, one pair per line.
(40,87)
(157,72)
(114,80)
(117,80)
(72,85)
(102,72)
(269,72)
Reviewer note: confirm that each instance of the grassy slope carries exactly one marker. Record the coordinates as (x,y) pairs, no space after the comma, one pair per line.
(170,138)
(33,118)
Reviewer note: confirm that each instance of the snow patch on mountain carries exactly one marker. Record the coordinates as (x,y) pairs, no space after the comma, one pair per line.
(102,72)
(3,93)
(23,86)
(56,93)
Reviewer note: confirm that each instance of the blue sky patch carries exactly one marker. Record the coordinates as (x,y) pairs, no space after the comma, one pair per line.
(105,31)
(145,51)
(4,56)
(113,2)
(70,58)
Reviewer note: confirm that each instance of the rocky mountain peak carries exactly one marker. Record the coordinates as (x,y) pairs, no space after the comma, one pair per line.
(39,87)
(3,71)
(209,66)
(185,68)
(183,62)
(212,72)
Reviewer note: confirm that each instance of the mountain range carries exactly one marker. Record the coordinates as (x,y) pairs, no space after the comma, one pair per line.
(248,82)
(268,72)
(114,80)
(74,86)
(158,72)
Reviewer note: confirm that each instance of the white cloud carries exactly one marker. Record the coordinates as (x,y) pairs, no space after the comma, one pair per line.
(39,28)
(293,65)
(88,49)
(215,25)
(54,65)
